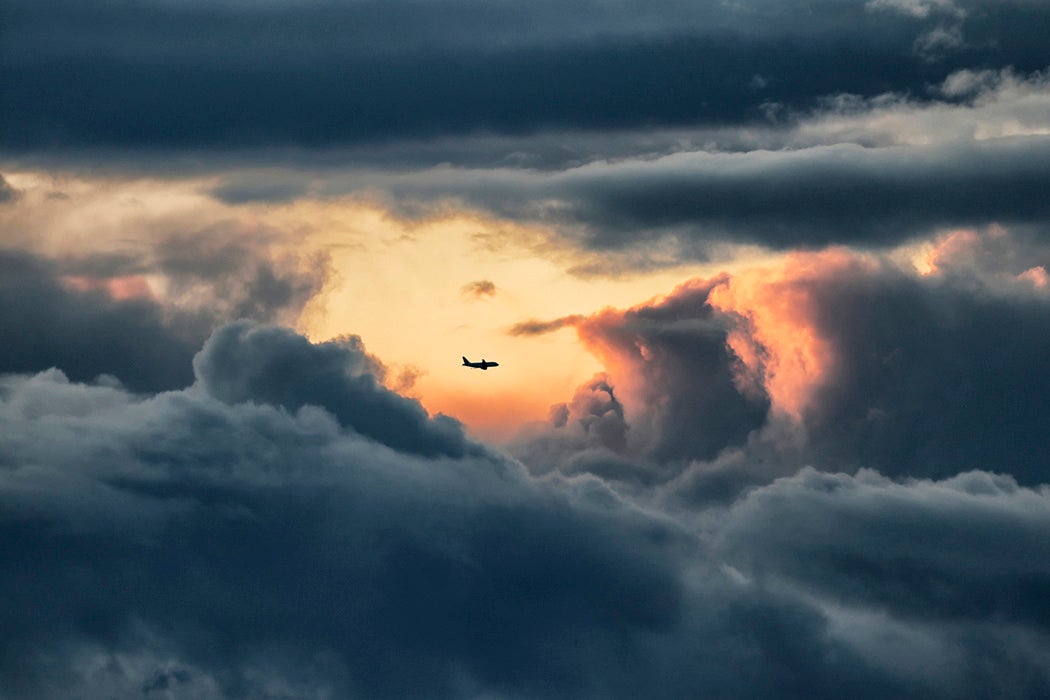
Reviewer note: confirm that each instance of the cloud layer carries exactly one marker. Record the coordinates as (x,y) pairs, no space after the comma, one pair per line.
(819,473)
(835,359)
(325,73)
(216,543)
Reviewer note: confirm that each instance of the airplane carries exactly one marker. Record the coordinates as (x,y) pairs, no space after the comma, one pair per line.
(479,365)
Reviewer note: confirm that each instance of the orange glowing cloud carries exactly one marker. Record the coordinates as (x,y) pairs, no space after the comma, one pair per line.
(120,288)
(778,340)
(952,250)
(1037,276)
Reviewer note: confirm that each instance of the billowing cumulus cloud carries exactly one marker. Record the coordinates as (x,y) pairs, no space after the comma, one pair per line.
(217,539)
(899,567)
(886,368)
(217,543)
(835,359)
(243,362)
(97,313)
(814,467)
(88,332)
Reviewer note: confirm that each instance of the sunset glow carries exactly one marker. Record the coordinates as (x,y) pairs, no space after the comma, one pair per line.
(754,303)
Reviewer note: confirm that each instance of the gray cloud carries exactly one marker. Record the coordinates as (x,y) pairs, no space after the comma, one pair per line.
(199,545)
(879,366)
(938,561)
(833,532)
(538,327)
(726,512)
(670,365)
(479,289)
(215,534)
(59,313)
(45,324)
(794,198)
(7,192)
(245,362)
(220,75)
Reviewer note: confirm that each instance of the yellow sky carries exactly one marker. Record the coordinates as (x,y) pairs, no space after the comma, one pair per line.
(402,288)
(398,284)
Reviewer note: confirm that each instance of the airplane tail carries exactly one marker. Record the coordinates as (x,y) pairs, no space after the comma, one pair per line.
(465,362)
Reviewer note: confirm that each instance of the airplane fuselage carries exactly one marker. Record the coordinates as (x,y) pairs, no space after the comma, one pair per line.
(484,364)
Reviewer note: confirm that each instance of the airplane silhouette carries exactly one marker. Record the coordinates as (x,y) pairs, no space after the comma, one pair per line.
(479,365)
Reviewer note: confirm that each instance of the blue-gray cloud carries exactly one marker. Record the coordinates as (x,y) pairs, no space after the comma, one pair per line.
(188,544)
(219,75)
(916,375)
(245,362)
(145,342)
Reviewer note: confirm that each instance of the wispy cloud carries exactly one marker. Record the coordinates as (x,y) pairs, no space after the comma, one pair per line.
(538,327)
(480,289)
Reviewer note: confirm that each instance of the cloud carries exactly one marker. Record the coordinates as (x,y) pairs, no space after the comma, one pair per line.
(223,273)
(227,75)
(854,543)
(886,368)
(861,171)
(538,327)
(479,289)
(802,527)
(218,536)
(87,333)
(920,9)
(934,43)
(216,543)
(834,359)
(822,477)
(812,197)
(245,362)
(98,313)
(675,391)
(7,192)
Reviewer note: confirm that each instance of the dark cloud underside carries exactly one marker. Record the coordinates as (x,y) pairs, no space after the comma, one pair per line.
(823,479)
(163,75)
(221,548)
(44,324)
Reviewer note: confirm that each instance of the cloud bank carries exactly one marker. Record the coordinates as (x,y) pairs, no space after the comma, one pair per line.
(250,536)
(834,359)
(821,473)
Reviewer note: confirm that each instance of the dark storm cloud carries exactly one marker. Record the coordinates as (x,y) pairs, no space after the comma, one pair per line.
(781,199)
(196,545)
(244,362)
(932,376)
(320,74)
(62,312)
(982,552)
(913,375)
(946,558)
(670,363)
(679,365)
(836,360)
(45,324)
(220,532)
(846,194)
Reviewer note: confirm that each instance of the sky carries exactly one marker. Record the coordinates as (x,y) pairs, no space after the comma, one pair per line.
(768,286)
